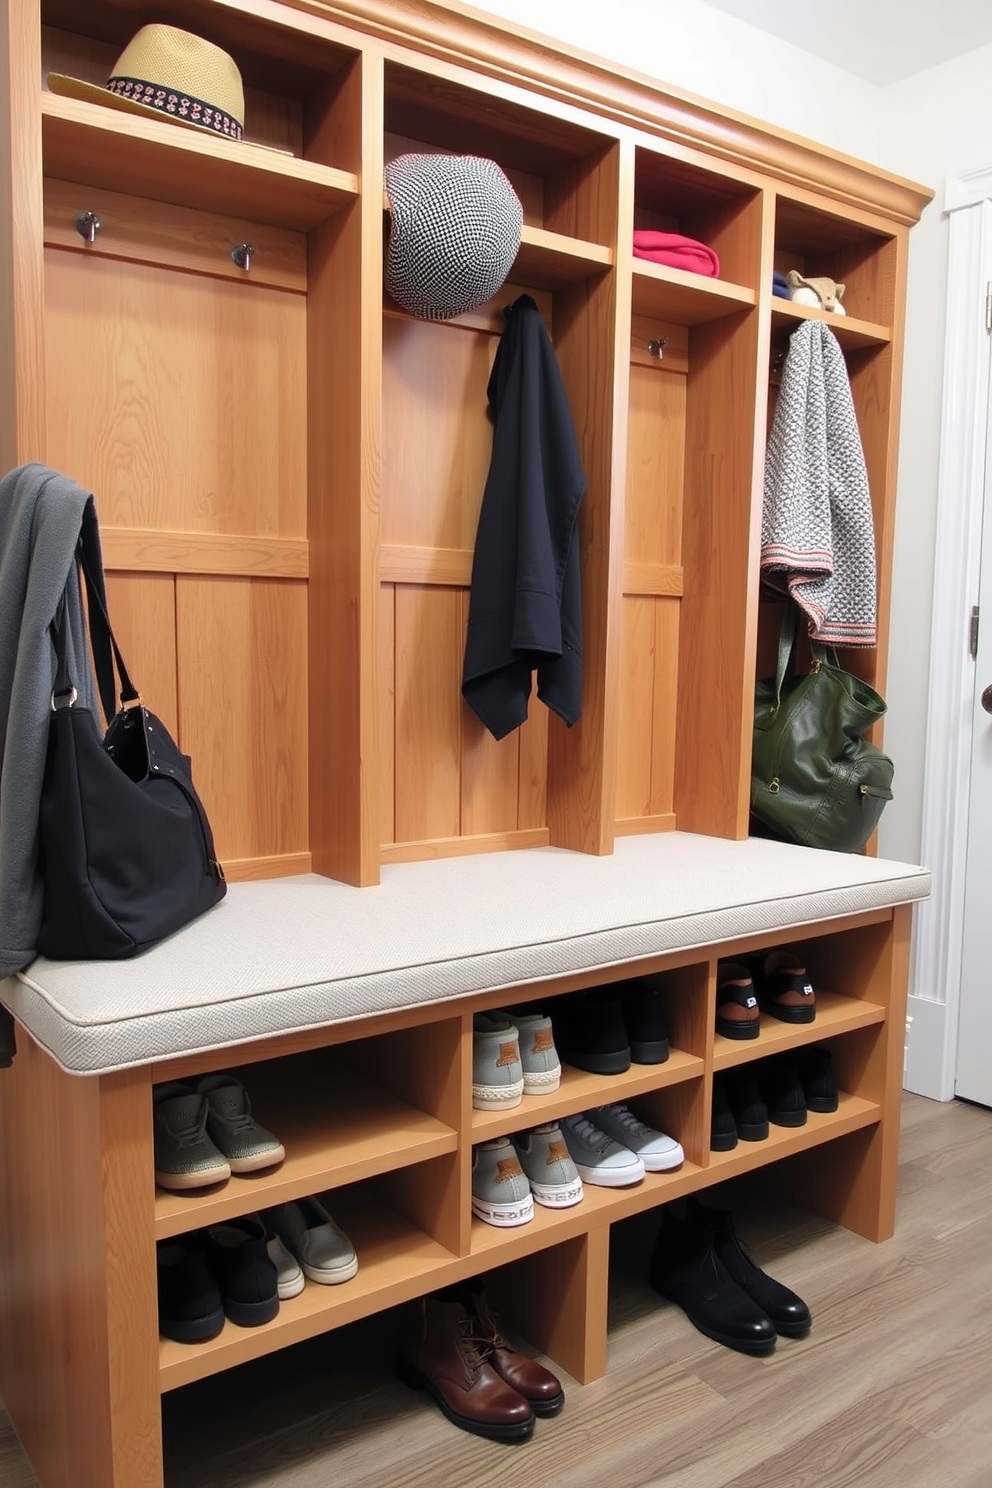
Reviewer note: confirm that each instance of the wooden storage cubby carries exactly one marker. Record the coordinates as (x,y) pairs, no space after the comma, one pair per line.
(288,472)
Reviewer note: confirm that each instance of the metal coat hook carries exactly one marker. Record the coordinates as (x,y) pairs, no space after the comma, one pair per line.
(241,253)
(88,224)
(656,348)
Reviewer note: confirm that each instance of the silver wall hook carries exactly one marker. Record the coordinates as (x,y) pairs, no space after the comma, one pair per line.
(656,348)
(88,224)
(241,253)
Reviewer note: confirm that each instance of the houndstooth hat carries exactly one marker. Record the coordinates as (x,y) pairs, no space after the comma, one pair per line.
(454,232)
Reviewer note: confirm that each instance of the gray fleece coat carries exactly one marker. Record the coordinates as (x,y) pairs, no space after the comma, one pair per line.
(41,513)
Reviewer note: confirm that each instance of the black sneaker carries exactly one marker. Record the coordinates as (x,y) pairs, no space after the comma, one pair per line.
(787,1312)
(686,1268)
(590,1032)
(243,1269)
(748,1106)
(647,1026)
(783,1091)
(190,1309)
(816,1071)
(723,1127)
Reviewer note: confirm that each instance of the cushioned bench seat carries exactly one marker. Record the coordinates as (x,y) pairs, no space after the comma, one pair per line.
(295,953)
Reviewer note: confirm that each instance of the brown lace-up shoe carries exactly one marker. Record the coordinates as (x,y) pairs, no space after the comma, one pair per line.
(443,1351)
(538,1386)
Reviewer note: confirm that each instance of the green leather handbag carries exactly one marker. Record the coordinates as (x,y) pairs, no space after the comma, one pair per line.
(814,779)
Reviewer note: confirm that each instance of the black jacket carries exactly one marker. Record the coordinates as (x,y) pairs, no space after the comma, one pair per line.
(525,610)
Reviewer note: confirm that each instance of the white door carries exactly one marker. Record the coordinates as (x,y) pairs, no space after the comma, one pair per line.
(973,1071)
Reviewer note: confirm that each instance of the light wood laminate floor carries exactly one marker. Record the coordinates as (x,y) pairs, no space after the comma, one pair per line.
(892,1389)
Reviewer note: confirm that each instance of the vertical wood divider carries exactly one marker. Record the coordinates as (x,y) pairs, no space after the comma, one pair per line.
(592,335)
(76,1223)
(558,1300)
(724,464)
(344,349)
(22,294)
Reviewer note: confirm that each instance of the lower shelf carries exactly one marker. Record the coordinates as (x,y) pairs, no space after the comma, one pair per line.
(398,1262)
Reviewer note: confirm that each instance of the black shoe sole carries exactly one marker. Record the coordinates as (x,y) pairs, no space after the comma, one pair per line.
(547,1408)
(823,1105)
(738,1030)
(752,1131)
(789,1014)
(597,1064)
(520,1431)
(192,1330)
(654,1052)
(787,1118)
(725,1142)
(792,1330)
(252,1314)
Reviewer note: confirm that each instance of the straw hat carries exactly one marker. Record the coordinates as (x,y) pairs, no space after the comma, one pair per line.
(164,73)
(455,224)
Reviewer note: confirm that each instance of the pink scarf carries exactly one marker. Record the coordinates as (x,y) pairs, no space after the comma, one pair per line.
(677,251)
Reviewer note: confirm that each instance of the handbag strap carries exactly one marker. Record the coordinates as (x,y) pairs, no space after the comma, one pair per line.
(786,643)
(103,643)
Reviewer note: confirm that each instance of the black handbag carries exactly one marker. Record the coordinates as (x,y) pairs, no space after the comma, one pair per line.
(127,854)
(814,779)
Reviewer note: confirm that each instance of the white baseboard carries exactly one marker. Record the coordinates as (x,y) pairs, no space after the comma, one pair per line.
(925,1070)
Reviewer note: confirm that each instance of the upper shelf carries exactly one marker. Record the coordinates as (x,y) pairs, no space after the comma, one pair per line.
(850,332)
(684,298)
(94,146)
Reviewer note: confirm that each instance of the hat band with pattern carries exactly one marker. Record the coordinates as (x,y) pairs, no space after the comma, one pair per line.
(180,105)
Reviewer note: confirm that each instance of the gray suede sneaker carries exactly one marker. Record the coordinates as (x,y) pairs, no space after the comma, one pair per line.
(231,1126)
(500,1191)
(544,1157)
(497,1073)
(185,1156)
(538,1055)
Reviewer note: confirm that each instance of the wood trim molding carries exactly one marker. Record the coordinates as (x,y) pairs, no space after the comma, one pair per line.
(144,550)
(463,36)
(936,976)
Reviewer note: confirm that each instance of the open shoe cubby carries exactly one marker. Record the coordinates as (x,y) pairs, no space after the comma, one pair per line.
(288,472)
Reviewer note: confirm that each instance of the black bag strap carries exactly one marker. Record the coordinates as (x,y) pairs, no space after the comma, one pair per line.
(103,643)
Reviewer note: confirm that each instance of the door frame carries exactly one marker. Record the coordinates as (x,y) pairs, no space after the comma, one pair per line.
(935,980)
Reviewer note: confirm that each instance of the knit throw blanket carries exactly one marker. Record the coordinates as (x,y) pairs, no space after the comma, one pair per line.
(817,537)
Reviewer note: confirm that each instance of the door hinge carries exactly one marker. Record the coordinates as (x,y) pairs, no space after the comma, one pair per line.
(973,632)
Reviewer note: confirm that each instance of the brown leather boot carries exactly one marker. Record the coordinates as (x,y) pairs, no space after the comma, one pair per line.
(442,1351)
(537,1385)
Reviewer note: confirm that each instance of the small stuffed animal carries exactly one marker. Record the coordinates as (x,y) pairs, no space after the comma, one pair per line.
(824,293)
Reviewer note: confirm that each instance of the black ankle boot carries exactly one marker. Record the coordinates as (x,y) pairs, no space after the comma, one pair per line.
(788,1313)
(686,1268)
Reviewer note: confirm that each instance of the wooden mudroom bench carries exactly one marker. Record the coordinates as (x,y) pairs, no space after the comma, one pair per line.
(348,1012)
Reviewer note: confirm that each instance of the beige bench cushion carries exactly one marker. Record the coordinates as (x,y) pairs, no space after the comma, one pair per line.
(295,953)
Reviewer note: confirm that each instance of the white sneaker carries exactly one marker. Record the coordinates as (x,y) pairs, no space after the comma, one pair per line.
(597,1157)
(290,1280)
(658,1152)
(316,1240)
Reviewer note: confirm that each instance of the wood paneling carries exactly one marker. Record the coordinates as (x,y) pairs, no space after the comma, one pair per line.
(143,614)
(242,677)
(437,436)
(428,653)
(137,354)
(162,233)
(646,730)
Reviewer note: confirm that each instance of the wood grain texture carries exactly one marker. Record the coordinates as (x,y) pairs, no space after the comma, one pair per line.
(242,686)
(143,614)
(22,338)
(856,1404)
(428,713)
(165,351)
(162,233)
(78,1254)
